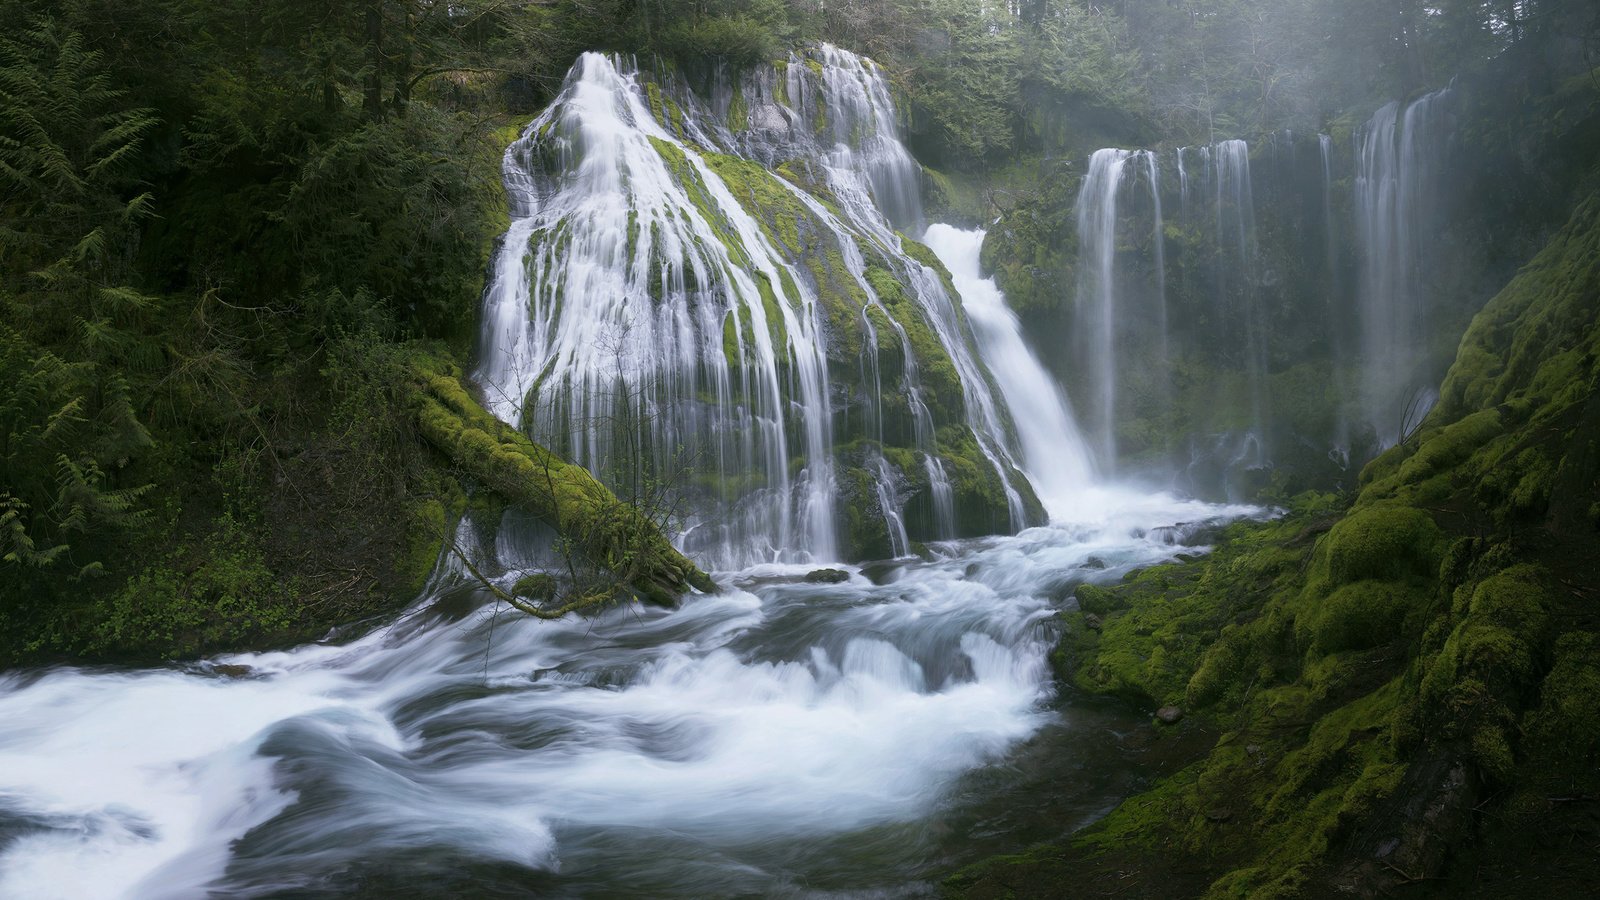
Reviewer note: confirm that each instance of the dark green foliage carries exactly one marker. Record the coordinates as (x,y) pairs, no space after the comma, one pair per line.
(213,594)
(738,40)
(207,247)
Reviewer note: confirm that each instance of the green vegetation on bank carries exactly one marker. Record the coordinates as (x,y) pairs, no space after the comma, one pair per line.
(1400,686)
(213,250)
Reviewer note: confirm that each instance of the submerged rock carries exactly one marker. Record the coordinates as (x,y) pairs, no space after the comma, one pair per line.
(827,576)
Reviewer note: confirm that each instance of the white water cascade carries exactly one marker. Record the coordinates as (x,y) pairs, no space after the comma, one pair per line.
(1340,451)
(1096,301)
(1120,304)
(1237,295)
(639,310)
(1396,195)
(1053,451)
(776,738)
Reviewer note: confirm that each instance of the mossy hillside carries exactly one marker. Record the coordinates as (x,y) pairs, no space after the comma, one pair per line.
(1390,681)
(1151,635)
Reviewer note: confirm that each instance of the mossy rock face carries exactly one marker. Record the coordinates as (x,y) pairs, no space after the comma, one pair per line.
(865,533)
(873,318)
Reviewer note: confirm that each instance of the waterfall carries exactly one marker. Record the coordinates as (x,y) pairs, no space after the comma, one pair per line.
(1183,181)
(1236,232)
(1120,316)
(1158,245)
(1397,155)
(1096,304)
(1340,451)
(604,370)
(656,308)
(1053,452)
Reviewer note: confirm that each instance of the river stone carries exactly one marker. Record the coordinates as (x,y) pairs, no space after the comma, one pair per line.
(1169,715)
(827,576)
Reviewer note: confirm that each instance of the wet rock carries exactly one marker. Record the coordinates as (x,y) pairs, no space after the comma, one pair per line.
(231,670)
(1092,622)
(1169,715)
(827,576)
(1093,562)
(881,572)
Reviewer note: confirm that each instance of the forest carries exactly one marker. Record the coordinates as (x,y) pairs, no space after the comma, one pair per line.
(1139,448)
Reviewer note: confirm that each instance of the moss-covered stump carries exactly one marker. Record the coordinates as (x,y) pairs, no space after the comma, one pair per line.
(606,531)
(1405,689)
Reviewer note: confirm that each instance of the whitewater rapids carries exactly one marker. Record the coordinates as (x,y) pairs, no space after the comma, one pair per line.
(777,738)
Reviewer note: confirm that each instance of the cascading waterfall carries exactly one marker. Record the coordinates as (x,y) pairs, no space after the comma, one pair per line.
(1158,241)
(1340,451)
(1236,230)
(1054,454)
(1111,320)
(1096,303)
(1232,325)
(640,312)
(1397,156)
(592,363)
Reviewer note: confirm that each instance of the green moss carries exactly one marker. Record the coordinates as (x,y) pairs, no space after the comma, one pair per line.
(566,496)
(1098,600)
(954,197)
(538,587)
(1563,732)
(1382,543)
(935,369)
(732,349)
(1358,616)
(780,213)
(666,111)
(694,186)
(738,112)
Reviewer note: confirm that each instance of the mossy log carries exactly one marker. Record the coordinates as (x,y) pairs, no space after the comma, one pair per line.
(606,531)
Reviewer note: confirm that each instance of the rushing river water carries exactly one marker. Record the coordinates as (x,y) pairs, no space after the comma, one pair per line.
(777,738)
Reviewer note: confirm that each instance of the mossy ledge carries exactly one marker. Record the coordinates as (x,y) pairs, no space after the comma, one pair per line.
(1403,681)
(608,531)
